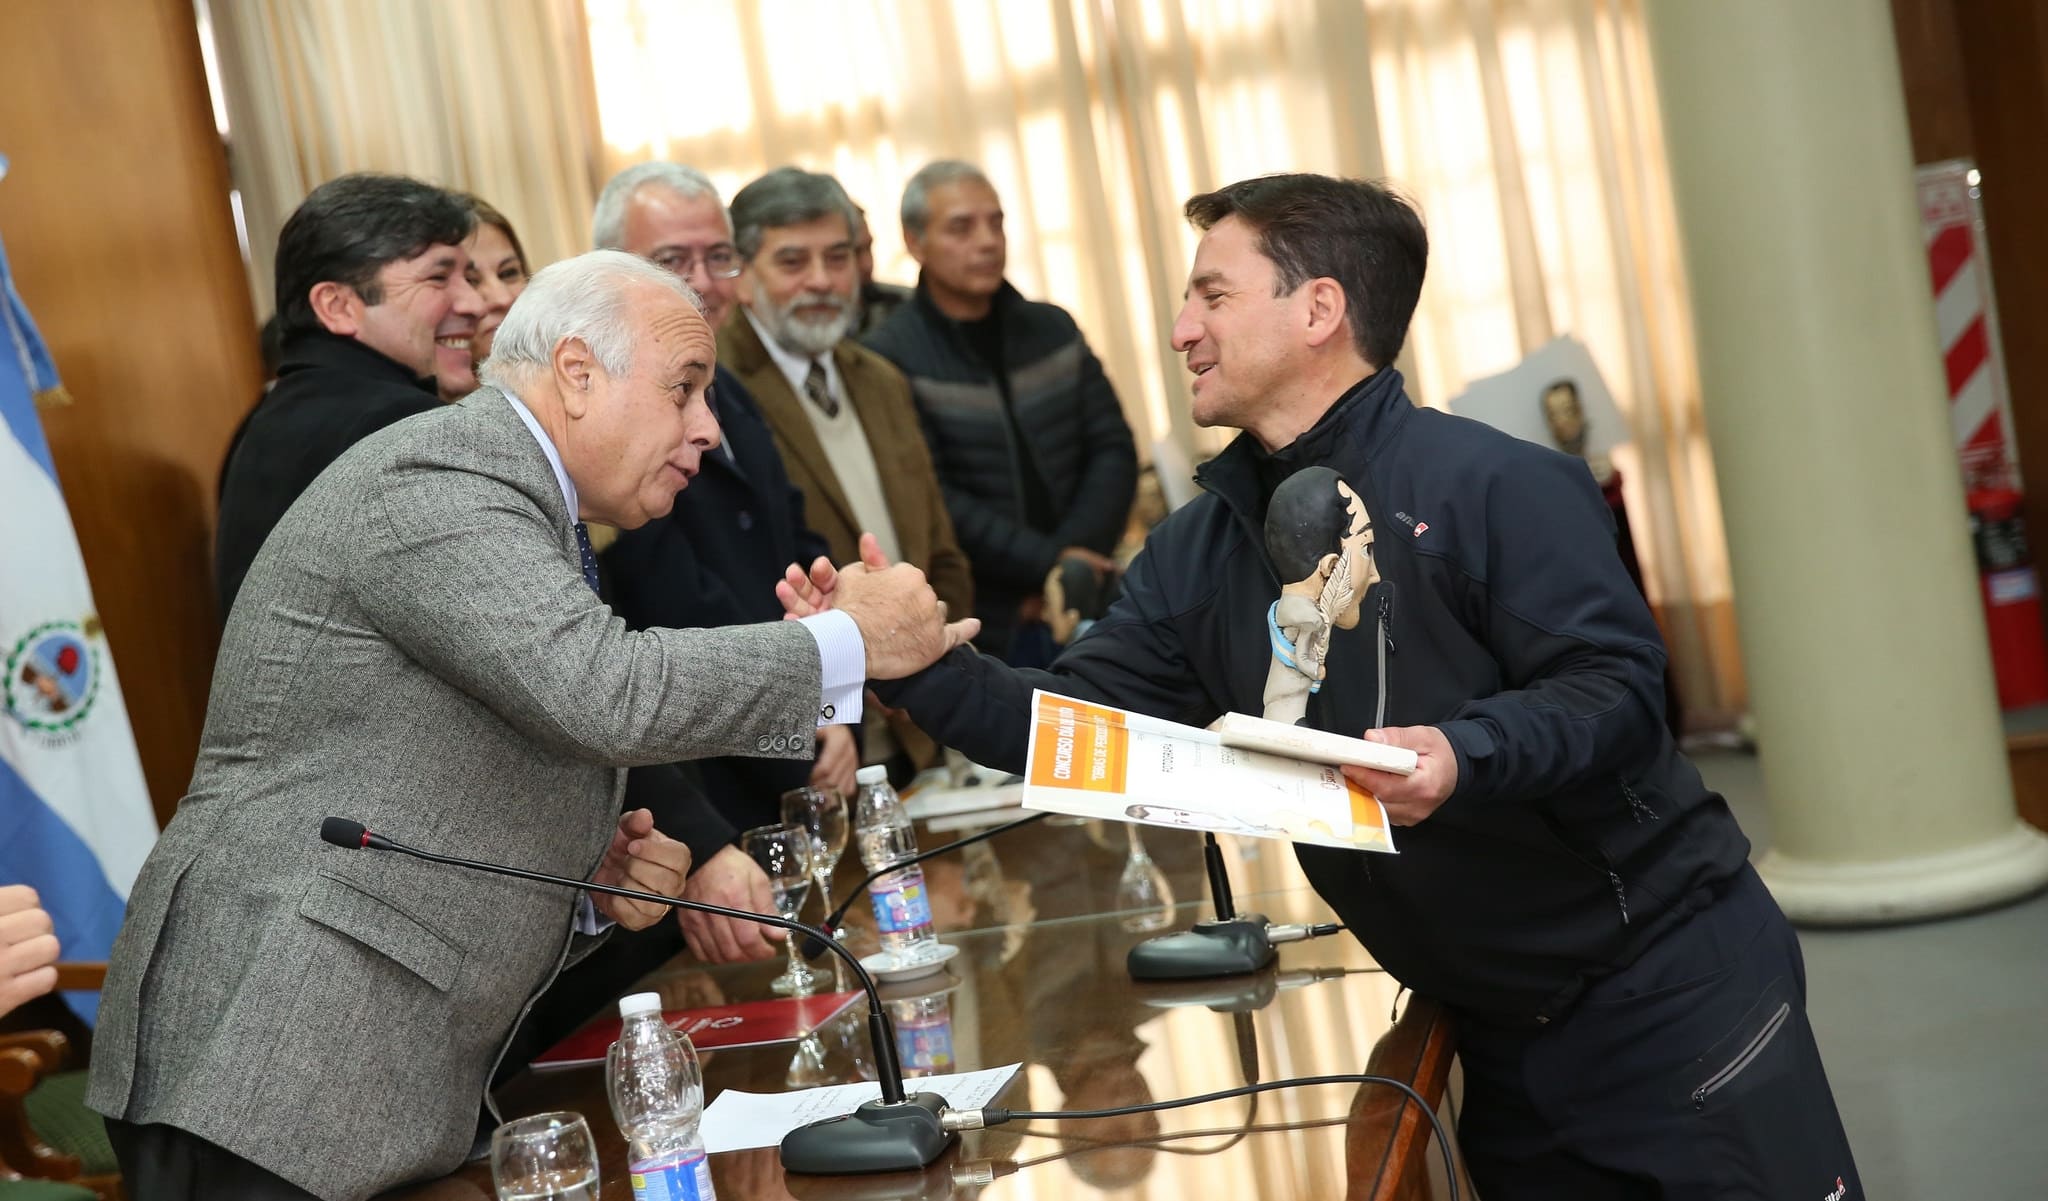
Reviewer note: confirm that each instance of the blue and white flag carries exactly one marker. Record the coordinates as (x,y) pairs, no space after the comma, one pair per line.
(75,819)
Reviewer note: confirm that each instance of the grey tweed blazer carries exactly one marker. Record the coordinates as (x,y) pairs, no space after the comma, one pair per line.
(414,648)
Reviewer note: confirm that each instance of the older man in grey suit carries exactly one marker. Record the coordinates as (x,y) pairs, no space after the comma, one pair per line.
(418,645)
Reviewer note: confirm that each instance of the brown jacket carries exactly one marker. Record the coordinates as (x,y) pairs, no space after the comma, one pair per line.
(881,396)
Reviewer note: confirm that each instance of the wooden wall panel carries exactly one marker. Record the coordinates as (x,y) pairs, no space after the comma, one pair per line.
(117,221)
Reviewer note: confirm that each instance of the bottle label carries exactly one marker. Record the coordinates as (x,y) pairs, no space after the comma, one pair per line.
(684,1176)
(925,1044)
(902,907)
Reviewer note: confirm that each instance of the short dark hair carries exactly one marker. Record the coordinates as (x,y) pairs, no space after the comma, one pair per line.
(1306,519)
(487,214)
(1359,233)
(785,196)
(352,225)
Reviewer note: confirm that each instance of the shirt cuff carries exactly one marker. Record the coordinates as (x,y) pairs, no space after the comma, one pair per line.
(842,666)
(587,919)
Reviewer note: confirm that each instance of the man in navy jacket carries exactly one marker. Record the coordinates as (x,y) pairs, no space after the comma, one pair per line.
(1631,1001)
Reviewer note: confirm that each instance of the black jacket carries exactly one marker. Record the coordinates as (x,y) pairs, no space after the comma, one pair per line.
(713,561)
(1576,833)
(331,393)
(1074,437)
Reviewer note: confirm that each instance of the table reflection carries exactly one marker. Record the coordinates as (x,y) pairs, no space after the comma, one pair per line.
(1040,981)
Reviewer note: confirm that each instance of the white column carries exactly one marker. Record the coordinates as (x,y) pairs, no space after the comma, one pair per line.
(1855,588)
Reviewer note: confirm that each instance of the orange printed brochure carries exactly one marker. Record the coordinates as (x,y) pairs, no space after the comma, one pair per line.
(1093,760)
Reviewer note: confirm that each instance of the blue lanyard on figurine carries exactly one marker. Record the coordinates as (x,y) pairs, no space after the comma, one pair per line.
(1283,650)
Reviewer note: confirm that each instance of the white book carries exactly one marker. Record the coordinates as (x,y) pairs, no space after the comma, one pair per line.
(1313,746)
(1094,760)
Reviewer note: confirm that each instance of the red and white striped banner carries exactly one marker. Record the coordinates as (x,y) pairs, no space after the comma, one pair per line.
(1980,412)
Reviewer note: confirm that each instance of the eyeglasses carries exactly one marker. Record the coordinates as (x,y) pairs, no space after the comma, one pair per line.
(722,261)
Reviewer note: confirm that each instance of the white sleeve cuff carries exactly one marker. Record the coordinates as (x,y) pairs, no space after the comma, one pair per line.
(587,919)
(843,666)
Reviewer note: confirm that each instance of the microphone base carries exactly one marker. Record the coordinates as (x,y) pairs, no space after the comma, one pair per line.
(877,1137)
(1236,947)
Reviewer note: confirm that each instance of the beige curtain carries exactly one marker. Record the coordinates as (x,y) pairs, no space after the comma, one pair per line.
(488,96)
(1528,131)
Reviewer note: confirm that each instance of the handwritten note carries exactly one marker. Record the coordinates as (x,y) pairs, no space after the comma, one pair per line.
(736,1121)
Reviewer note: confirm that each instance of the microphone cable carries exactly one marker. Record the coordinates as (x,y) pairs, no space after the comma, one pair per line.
(976,1119)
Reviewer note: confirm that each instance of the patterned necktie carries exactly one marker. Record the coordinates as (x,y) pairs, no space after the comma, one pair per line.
(589,556)
(816,389)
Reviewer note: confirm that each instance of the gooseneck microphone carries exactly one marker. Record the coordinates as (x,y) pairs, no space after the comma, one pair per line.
(830,925)
(895,1134)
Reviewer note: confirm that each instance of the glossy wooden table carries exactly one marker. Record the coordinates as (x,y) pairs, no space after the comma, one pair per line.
(1043,926)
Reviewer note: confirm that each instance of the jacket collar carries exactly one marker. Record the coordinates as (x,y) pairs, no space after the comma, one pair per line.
(319,349)
(1357,425)
(1006,300)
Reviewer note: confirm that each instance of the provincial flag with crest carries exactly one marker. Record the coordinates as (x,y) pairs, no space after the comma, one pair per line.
(75,818)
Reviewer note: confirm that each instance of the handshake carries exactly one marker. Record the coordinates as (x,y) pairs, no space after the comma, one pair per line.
(901,619)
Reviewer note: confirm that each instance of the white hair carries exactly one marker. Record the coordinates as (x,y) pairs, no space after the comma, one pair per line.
(586,297)
(608,223)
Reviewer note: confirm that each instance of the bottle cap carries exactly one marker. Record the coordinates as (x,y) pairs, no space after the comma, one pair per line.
(639,1003)
(872,775)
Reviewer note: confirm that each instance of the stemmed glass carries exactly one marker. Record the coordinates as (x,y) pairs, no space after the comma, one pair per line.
(822,811)
(549,1155)
(784,853)
(1143,887)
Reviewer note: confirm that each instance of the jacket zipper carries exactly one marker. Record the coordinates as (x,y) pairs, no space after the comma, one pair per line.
(1637,807)
(1385,648)
(1726,1076)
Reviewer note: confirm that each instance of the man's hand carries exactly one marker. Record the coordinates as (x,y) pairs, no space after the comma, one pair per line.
(732,879)
(641,858)
(900,618)
(837,760)
(28,947)
(808,593)
(1410,799)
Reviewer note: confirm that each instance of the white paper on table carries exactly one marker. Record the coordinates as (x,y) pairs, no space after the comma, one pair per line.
(737,1121)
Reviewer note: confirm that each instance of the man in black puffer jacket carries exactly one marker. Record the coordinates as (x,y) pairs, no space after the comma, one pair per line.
(1031,446)
(1631,1001)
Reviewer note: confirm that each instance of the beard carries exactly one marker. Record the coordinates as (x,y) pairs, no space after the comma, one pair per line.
(808,336)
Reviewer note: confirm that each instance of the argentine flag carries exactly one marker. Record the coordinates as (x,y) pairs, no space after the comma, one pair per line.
(75,820)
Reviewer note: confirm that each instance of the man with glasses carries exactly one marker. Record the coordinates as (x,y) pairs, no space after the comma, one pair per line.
(841,414)
(712,562)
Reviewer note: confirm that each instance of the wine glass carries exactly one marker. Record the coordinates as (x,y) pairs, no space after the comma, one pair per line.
(822,811)
(784,852)
(1143,887)
(547,1157)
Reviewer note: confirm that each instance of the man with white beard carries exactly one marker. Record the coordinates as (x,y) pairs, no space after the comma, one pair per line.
(841,414)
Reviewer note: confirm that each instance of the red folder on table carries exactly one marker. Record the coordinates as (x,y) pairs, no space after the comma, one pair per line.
(717,1027)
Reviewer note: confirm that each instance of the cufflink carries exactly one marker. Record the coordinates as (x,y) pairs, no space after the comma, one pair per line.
(827,713)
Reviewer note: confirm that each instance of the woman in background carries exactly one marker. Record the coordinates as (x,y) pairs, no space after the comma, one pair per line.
(498,271)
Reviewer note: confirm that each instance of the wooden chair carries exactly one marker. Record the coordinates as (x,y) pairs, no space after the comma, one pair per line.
(46,1132)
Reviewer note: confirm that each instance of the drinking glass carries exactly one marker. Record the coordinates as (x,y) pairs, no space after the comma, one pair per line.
(822,811)
(547,1157)
(784,853)
(1143,889)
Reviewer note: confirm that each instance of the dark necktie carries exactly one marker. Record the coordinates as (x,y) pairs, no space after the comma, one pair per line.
(589,556)
(815,388)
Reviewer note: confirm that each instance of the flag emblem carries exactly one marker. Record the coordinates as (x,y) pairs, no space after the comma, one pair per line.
(53,677)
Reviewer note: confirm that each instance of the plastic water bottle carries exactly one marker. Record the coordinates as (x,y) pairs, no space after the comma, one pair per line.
(657,1092)
(903,910)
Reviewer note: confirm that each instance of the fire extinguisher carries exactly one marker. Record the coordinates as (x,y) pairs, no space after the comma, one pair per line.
(2012,597)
